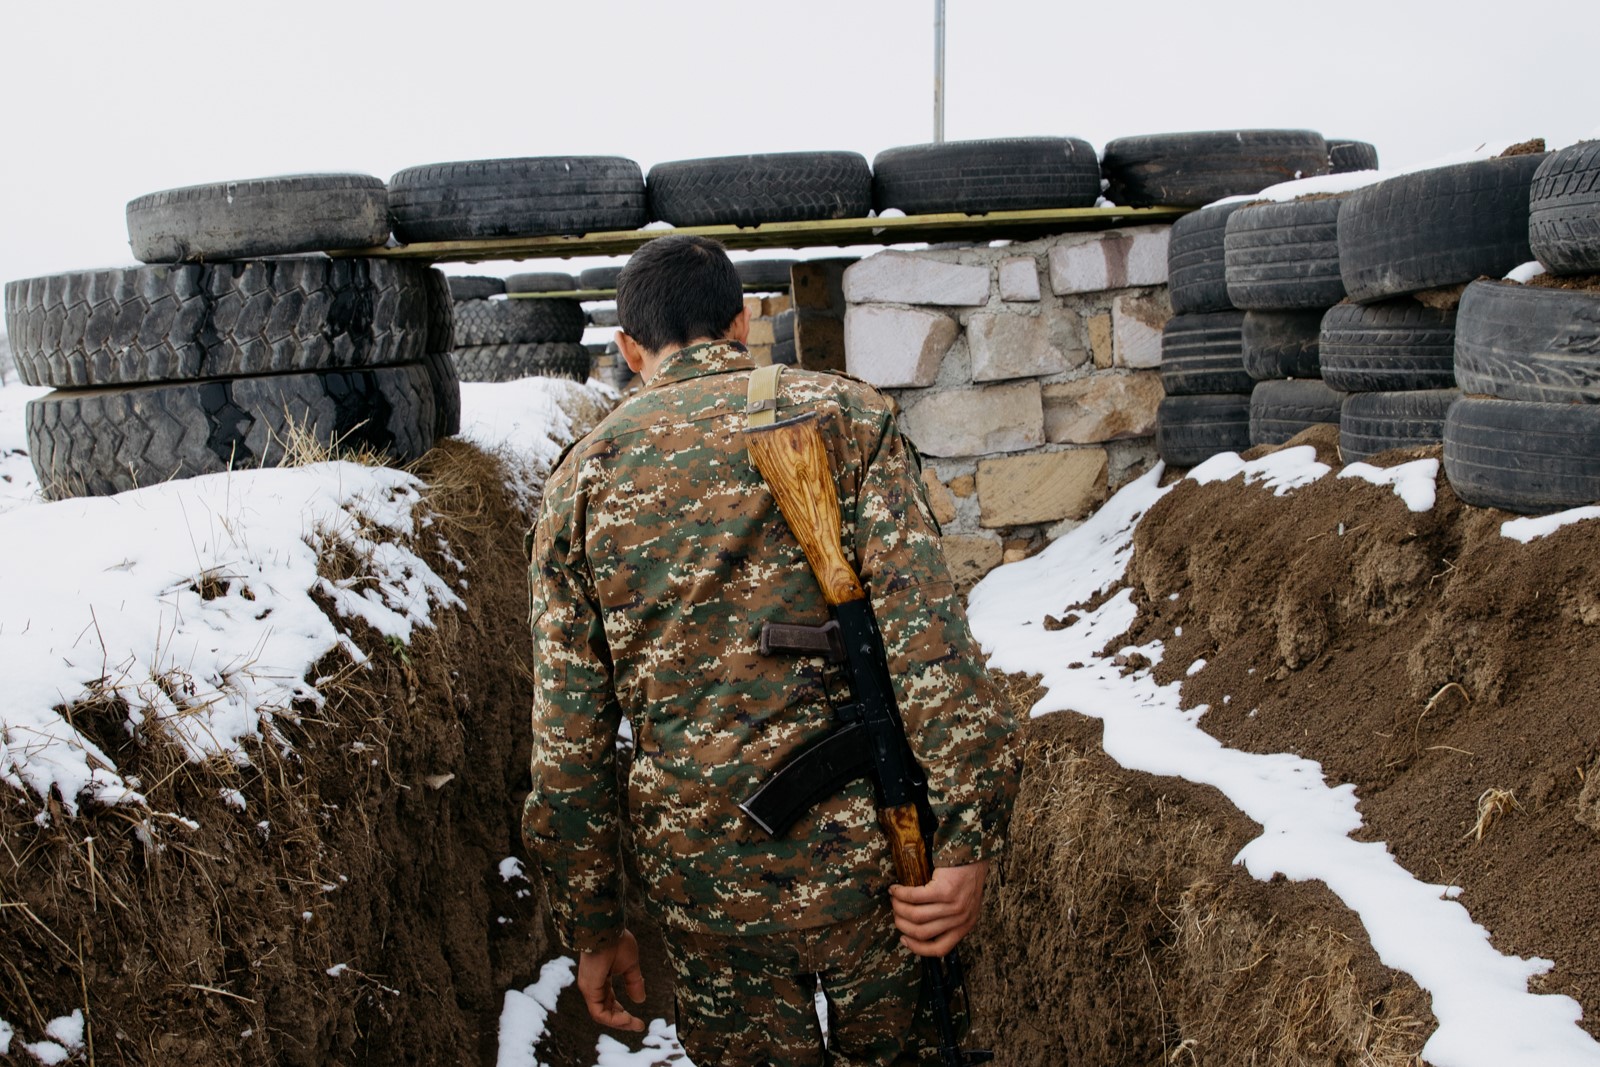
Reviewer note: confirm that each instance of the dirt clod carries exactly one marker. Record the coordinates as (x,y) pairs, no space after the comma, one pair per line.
(1531,147)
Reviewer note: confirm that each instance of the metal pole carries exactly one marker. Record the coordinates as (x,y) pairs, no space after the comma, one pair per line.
(938,71)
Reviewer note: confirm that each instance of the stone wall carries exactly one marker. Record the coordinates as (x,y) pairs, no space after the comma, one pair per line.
(1026,375)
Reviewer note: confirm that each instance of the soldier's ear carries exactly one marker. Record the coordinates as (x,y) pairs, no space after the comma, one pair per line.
(739,328)
(632,352)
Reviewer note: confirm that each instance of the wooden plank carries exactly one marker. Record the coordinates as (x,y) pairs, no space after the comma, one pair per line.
(606,294)
(822,233)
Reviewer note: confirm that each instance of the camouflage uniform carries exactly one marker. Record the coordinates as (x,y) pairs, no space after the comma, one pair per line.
(657,556)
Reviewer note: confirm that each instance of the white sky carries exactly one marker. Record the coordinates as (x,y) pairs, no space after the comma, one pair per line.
(109,100)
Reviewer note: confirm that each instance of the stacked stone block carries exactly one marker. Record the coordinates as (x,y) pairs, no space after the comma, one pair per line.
(1026,375)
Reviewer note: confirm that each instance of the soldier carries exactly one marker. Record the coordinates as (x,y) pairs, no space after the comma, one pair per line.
(657,556)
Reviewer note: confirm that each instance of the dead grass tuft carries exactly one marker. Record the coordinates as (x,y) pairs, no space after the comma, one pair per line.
(302,447)
(1492,805)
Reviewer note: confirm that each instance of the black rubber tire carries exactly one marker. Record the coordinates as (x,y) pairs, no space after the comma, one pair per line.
(1192,429)
(504,363)
(783,326)
(1196,265)
(976,177)
(525,197)
(1345,157)
(129,325)
(1284,255)
(259,217)
(518,322)
(90,442)
(1281,344)
(749,190)
(784,352)
(1370,423)
(475,287)
(1202,354)
(598,278)
(1192,169)
(1521,342)
(1521,455)
(547,281)
(446,394)
(1392,346)
(770,274)
(1564,210)
(606,317)
(441,313)
(1436,227)
(1279,410)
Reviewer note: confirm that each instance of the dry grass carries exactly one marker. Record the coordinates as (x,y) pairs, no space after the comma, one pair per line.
(302,447)
(1493,804)
(1119,931)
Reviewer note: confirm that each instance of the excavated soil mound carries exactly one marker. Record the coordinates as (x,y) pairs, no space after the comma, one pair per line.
(1443,668)
(386,825)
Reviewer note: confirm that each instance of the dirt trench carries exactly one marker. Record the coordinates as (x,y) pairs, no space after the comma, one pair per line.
(379,860)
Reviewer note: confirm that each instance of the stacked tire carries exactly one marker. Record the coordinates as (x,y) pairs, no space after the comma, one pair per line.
(167,372)
(1525,436)
(523,334)
(1207,407)
(1192,169)
(977,177)
(754,189)
(1281,265)
(1403,243)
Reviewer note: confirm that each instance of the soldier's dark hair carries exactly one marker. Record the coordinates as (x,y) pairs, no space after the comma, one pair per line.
(678,289)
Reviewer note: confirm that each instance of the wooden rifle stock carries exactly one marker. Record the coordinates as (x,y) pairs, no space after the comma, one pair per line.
(793,460)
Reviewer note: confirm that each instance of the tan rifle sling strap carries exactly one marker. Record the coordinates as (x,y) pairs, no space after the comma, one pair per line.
(761,399)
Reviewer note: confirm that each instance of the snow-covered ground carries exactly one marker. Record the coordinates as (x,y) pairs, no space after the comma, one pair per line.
(1487,1017)
(192,601)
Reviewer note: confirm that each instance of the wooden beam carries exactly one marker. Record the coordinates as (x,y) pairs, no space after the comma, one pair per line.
(610,294)
(823,233)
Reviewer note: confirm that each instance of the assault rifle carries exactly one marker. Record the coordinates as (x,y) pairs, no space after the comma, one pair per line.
(869,737)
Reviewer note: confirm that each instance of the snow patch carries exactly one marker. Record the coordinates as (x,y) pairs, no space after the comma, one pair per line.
(191,602)
(1280,471)
(1536,526)
(525,1011)
(525,422)
(660,1047)
(1416,482)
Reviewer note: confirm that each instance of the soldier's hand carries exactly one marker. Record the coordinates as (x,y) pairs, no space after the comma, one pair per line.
(933,918)
(595,971)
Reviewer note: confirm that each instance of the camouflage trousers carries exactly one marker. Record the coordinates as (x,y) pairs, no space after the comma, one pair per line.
(752,1001)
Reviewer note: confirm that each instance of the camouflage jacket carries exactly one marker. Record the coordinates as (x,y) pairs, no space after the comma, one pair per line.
(657,556)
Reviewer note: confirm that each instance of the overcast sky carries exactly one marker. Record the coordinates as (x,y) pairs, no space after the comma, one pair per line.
(107,100)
